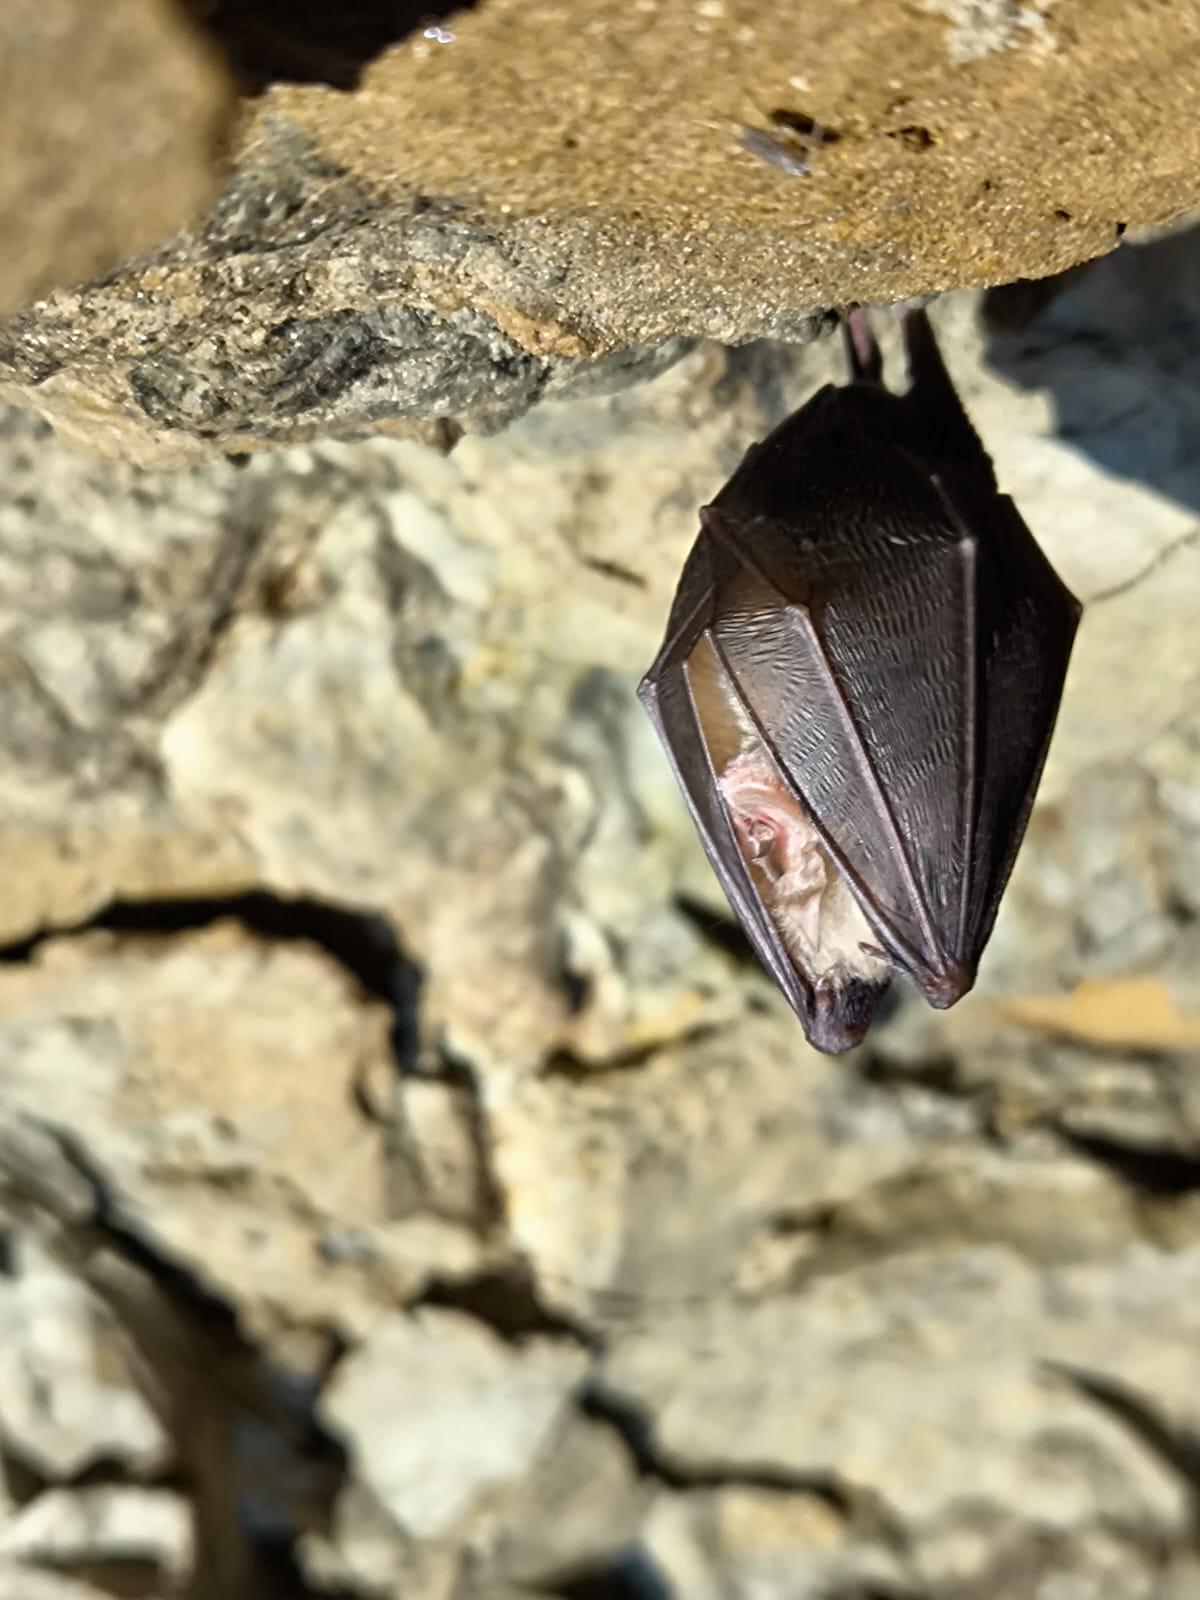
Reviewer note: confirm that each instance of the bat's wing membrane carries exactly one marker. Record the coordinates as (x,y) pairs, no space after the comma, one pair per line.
(901,643)
(667,694)
(1026,626)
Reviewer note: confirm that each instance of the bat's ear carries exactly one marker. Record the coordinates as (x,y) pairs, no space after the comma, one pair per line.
(863,355)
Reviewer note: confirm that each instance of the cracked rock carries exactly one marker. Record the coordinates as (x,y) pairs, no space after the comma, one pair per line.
(379,1062)
(443,1422)
(486,1412)
(214,1076)
(954,1425)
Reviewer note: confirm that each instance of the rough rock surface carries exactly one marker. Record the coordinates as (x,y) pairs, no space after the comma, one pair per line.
(111,118)
(408,1185)
(536,197)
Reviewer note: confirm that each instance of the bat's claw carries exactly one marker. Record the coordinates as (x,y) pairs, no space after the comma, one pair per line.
(862,350)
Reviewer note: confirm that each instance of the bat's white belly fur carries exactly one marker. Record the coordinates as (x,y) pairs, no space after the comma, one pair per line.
(808,898)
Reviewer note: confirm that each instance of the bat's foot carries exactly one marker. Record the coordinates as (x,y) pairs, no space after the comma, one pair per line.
(933,400)
(862,348)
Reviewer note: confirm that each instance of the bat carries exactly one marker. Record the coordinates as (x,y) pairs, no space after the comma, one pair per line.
(860,677)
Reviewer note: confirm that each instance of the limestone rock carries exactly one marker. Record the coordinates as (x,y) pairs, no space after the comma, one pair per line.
(110,120)
(984,1444)
(130,1531)
(485,1410)
(67,1398)
(377,1054)
(740,1543)
(216,1078)
(442,1422)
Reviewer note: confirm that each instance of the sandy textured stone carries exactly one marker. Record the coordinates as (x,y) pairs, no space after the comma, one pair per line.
(980,1443)
(110,120)
(109,1526)
(484,1414)
(691,228)
(216,1076)
(67,1399)
(746,1543)
(479,224)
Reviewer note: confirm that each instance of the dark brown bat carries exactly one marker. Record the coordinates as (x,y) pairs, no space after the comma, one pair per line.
(860,677)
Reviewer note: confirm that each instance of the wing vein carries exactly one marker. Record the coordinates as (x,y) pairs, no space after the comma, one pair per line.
(801,618)
(970,755)
(969,551)
(872,912)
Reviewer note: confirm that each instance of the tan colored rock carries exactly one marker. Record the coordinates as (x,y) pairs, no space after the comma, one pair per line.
(534,201)
(1123,1014)
(111,121)
(620,134)
(985,1447)
(217,1077)
(137,1530)
(740,1542)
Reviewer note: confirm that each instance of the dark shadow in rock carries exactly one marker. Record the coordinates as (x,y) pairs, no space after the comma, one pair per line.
(629,1575)
(1117,346)
(363,943)
(22,1484)
(250,1445)
(721,931)
(505,1299)
(1161,1170)
(314,41)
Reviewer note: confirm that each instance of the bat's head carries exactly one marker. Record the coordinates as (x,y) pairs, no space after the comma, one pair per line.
(842,1011)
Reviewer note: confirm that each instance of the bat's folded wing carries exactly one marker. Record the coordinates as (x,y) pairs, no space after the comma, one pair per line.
(668,697)
(903,670)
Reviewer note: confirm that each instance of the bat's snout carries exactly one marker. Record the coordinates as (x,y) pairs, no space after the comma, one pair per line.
(842,1013)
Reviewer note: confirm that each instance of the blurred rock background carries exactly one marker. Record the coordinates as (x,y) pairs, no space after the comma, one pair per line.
(409,1184)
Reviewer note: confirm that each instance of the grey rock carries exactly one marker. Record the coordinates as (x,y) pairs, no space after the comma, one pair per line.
(984,1443)
(461,1416)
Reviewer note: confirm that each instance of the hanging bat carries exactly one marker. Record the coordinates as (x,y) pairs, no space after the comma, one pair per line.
(859,681)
